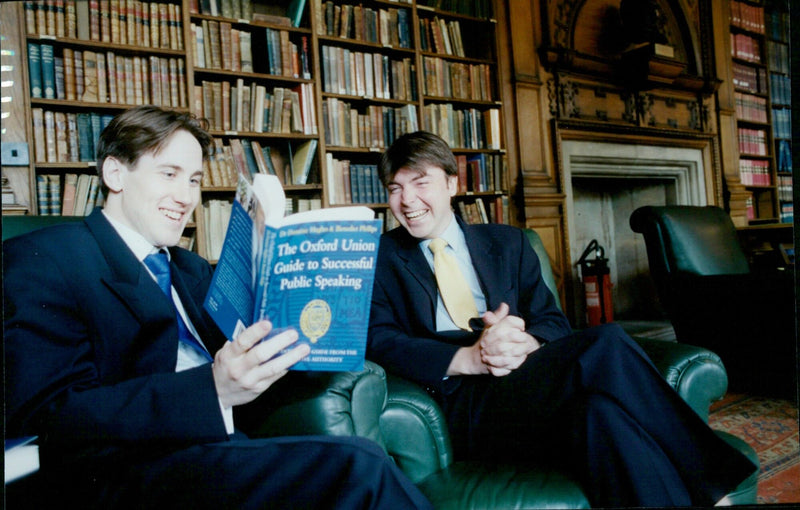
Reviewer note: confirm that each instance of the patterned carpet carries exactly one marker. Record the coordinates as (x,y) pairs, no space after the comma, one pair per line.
(770,426)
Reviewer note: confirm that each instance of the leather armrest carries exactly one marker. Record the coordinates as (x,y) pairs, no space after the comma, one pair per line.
(328,403)
(697,374)
(414,430)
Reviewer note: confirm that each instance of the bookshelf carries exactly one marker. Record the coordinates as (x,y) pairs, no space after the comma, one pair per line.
(86,62)
(312,91)
(419,72)
(778,31)
(753,87)
(254,81)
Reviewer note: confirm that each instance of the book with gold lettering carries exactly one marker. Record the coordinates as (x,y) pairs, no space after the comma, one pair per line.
(311,271)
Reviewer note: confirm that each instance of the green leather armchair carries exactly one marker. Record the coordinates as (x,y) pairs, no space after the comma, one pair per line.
(410,426)
(700,271)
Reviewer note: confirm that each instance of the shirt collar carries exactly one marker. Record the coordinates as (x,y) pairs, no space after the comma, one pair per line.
(452,234)
(140,246)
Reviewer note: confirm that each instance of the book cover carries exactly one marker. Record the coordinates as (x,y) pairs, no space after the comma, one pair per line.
(295,11)
(21,457)
(48,71)
(312,272)
(302,160)
(68,202)
(35,69)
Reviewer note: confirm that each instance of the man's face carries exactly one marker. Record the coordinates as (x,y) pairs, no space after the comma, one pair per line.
(420,200)
(157,196)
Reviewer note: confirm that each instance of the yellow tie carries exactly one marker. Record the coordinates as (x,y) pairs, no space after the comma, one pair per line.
(453,287)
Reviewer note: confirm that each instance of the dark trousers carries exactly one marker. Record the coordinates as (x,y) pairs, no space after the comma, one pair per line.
(318,472)
(594,404)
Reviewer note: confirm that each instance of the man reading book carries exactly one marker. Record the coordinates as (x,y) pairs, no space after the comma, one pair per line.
(463,311)
(129,386)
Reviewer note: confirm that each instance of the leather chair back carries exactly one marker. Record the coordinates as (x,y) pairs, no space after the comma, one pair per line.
(544,262)
(690,239)
(18,225)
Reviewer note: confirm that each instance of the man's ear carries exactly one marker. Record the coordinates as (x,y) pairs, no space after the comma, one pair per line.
(452,184)
(113,174)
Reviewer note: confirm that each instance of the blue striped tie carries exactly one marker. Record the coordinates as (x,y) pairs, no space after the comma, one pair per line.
(159,265)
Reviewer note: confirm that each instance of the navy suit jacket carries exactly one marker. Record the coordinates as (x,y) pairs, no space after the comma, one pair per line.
(402,331)
(91,344)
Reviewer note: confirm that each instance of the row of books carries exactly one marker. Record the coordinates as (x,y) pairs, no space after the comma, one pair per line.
(217,45)
(291,164)
(387,27)
(368,75)
(752,79)
(79,195)
(61,137)
(780,89)
(373,126)
(748,107)
(480,172)
(464,129)
(749,208)
(786,212)
(778,26)
(784,152)
(133,22)
(216,214)
(457,80)
(752,141)
(778,57)
(754,172)
(440,36)
(781,123)
(747,16)
(252,108)
(483,210)
(98,77)
(474,8)
(353,183)
(233,9)
(746,47)
(785,188)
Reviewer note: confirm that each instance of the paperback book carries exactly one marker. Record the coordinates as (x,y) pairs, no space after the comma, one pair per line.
(311,271)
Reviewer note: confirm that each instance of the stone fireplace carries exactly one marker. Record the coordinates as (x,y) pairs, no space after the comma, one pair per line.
(603,184)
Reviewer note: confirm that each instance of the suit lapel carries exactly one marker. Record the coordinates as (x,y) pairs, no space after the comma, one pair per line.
(127,277)
(414,261)
(488,264)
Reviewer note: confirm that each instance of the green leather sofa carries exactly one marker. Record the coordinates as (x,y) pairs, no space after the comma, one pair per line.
(409,425)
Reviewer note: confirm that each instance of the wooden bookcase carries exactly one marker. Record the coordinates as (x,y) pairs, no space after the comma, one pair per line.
(423,76)
(777,32)
(753,95)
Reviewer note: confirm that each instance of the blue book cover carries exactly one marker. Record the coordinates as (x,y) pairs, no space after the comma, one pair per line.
(312,272)
(295,11)
(35,69)
(48,72)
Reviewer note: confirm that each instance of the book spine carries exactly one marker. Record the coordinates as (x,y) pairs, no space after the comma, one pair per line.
(35,69)
(48,71)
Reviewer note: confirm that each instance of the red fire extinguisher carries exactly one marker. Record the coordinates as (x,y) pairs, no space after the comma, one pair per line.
(597,285)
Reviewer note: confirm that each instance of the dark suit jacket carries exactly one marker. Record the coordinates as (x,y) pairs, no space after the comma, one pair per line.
(91,344)
(402,331)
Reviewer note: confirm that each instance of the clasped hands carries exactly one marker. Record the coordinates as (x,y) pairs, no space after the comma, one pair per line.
(245,368)
(502,347)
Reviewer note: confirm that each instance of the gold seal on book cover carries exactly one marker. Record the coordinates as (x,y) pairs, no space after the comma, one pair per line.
(315,319)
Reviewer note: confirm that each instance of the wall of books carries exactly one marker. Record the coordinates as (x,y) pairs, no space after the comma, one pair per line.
(777,31)
(310,91)
(761,81)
